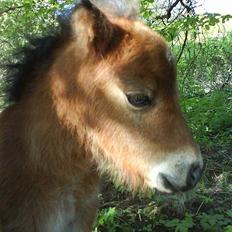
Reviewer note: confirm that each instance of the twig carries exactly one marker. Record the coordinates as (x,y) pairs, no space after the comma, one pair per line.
(199,207)
(169,11)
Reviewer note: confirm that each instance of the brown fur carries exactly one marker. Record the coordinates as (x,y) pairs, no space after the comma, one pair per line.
(58,138)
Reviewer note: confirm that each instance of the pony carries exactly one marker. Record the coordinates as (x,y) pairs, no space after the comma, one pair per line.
(96,97)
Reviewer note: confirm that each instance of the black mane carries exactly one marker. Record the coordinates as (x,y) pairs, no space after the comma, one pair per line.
(38,53)
(34,58)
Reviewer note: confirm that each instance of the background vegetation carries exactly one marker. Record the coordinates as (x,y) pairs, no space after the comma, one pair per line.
(203,50)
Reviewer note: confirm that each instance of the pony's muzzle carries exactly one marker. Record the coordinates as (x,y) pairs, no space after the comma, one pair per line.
(169,183)
(178,173)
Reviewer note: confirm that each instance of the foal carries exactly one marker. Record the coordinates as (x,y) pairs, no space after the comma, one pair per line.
(97,97)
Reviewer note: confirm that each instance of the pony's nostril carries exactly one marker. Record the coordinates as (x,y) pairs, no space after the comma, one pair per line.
(194,176)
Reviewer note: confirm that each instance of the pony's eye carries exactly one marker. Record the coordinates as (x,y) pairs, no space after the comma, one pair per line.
(139,100)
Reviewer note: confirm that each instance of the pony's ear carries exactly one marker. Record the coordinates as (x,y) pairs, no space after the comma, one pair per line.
(93,30)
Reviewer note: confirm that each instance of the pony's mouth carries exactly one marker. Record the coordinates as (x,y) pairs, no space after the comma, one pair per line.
(169,186)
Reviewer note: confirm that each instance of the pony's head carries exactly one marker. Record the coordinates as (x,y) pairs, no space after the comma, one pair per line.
(114,82)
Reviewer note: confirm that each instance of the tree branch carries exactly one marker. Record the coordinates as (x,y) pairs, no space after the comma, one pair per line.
(169,11)
(188,8)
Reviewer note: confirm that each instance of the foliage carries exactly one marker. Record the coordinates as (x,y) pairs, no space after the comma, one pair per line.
(23,19)
(179,225)
(209,116)
(213,222)
(107,219)
(198,58)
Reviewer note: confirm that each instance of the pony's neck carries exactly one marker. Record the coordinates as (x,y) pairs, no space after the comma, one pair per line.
(53,146)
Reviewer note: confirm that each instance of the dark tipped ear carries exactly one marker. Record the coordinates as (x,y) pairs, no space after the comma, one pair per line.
(88,4)
(93,30)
